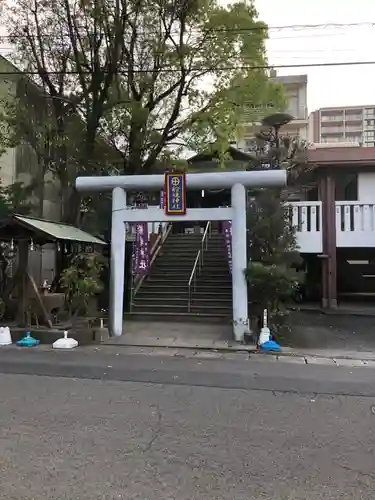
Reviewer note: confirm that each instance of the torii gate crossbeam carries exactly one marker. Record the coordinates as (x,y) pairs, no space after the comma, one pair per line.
(236,181)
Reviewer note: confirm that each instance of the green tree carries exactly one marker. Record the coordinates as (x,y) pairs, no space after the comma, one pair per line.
(275,267)
(151,76)
(189,70)
(81,282)
(71,50)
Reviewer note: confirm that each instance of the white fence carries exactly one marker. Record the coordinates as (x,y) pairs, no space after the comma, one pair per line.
(355,224)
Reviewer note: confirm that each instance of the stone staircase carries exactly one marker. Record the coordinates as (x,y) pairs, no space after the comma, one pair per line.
(164,294)
(213,290)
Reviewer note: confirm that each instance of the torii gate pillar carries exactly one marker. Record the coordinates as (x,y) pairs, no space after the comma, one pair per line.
(237,181)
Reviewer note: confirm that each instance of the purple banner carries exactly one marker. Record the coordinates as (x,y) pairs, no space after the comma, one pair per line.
(227,231)
(141,250)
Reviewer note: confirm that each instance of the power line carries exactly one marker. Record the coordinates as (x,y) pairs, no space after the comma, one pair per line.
(294,27)
(292,53)
(223,68)
(270,39)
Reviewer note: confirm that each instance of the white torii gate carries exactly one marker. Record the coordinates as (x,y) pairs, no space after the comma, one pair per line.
(236,181)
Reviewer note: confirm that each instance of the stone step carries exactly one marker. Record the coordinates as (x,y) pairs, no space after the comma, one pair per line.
(184,235)
(174,308)
(178,257)
(214,281)
(206,270)
(183,241)
(157,287)
(213,288)
(215,254)
(179,251)
(174,262)
(173,289)
(154,300)
(146,296)
(203,300)
(163,279)
(182,244)
(175,317)
(219,274)
(212,292)
(183,268)
(172,274)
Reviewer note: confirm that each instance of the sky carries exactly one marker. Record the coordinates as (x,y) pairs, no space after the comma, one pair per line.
(327,86)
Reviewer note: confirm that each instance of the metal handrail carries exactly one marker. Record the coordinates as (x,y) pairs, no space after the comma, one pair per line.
(198,262)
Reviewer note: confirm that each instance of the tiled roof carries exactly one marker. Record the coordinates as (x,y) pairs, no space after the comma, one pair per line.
(355,155)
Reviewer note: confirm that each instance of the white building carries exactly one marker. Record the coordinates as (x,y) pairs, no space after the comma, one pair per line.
(295,88)
(354,124)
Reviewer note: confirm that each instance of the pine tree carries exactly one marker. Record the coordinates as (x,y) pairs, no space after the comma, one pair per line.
(274,270)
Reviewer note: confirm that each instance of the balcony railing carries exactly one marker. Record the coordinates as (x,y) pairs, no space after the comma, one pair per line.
(332,118)
(355,225)
(253,115)
(307,219)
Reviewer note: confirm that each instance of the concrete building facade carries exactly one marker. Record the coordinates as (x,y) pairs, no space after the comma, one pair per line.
(20,164)
(351,124)
(295,88)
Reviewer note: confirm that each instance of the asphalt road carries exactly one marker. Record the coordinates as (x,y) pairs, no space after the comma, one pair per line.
(106,425)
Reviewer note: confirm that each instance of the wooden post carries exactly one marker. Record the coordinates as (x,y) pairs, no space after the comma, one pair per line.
(39,300)
(329,262)
(23,261)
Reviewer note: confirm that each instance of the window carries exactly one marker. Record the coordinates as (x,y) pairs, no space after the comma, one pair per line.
(353,117)
(332,130)
(293,105)
(250,145)
(330,118)
(353,138)
(346,187)
(330,140)
(369,113)
(354,128)
(370,123)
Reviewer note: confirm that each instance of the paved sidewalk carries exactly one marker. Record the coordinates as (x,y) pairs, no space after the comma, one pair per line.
(212,338)
(243,353)
(214,341)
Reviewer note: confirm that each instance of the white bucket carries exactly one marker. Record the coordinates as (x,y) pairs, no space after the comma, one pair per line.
(264,336)
(65,343)
(5,336)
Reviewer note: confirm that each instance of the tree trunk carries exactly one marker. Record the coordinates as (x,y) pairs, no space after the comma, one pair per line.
(23,260)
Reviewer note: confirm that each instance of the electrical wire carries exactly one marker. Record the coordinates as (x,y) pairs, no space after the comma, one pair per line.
(293,27)
(208,70)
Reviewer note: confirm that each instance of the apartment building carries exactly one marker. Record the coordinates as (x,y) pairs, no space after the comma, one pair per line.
(351,124)
(295,88)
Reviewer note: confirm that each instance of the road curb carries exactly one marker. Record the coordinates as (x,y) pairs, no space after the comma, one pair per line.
(251,350)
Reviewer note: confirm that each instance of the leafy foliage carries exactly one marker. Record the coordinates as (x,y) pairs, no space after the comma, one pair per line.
(274,270)
(81,281)
(16,198)
(151,76)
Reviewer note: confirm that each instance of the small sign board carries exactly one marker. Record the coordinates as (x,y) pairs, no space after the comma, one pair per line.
(175,193)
